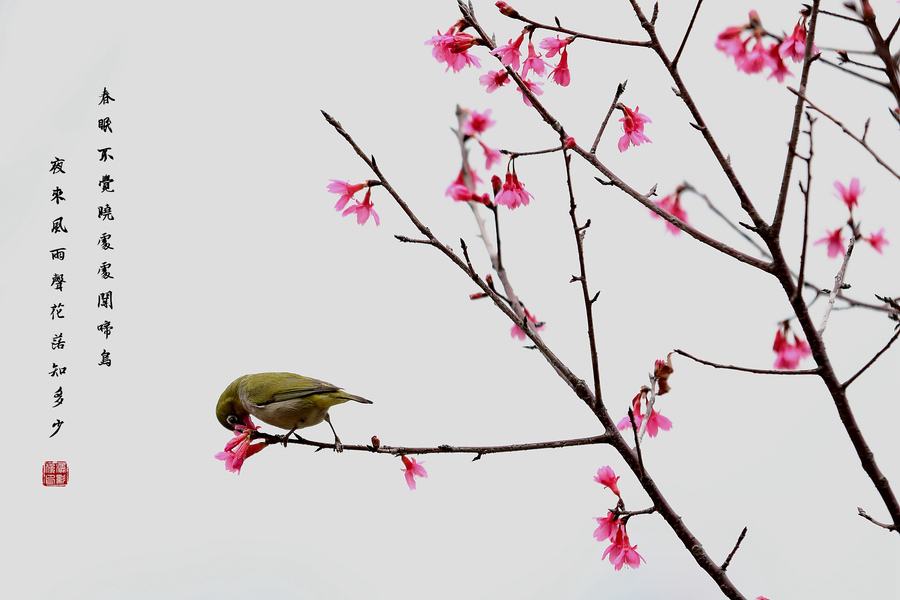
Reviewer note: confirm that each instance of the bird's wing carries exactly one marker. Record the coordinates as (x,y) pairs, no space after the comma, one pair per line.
(268,388)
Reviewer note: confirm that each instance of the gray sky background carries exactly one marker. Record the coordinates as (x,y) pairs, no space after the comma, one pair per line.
(230,259)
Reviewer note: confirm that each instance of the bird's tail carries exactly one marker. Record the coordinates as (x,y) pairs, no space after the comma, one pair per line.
(345,396)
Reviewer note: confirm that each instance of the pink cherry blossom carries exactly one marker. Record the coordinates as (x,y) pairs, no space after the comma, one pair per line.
(779,69)
(411,470)
(625,422)
(756,59)
(553,46)
(607,477)
(794,45)
(789,354)
(494,79)
(452,49)
(478,122)
(729,41)
(561,74)
(345,190)
(633,126)
(850,194)
(622,553)
(877,240)
(363,210)
(509,53)
(238,449)
(513,193)
(607,527)
(534,62)
(518,333)
(491,155)
(533,87)
(835,241)
(672,205)
(656,423)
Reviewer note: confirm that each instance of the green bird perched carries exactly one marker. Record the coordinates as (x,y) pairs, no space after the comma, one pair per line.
(285,400)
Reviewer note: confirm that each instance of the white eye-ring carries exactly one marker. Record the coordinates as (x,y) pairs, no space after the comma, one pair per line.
(233,420)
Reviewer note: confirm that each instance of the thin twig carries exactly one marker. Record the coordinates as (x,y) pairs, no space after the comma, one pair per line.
(747,369)
(871,362)
(795,127)
(838,285)
(805,190)
(579,233)
(577,34)
(734,550)
(859,140)
(865,515)
(620,89)
(687,34)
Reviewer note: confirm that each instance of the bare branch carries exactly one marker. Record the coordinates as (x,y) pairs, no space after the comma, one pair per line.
(734,550)
(871,362)
(687,34)
(805,190)
(859,140)
(577,34)
(866,516)
(620,89)
(440,449)
(747,369)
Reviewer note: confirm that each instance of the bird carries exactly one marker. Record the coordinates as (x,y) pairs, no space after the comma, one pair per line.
(285,400)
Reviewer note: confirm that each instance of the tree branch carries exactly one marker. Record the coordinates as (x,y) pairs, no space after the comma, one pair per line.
(859,140)
(871,362)
(440,449)
(620,89)
(734,550)
(746,369)
(687,34)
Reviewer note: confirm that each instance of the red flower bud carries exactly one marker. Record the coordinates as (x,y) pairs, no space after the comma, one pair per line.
(496,184)
(376,443)
(569,143)
(506,9)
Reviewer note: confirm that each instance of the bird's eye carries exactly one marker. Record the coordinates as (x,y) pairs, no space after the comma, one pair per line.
(233,420)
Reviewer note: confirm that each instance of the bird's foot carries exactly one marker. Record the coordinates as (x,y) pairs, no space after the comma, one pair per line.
(286,437)
(338,446)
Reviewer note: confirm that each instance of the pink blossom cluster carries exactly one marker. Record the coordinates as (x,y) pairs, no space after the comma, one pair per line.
(744,43)
(346,192)
(655,422)
(612,527)
(788,353)
(672,205)
(452,48)
(238,449)
(834,238)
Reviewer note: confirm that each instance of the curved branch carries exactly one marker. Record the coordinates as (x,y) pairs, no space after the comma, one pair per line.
(746,369)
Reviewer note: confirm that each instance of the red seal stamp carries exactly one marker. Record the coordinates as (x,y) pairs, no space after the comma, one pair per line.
(55,473)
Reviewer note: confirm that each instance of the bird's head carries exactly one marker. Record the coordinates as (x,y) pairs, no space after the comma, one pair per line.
(229,409)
